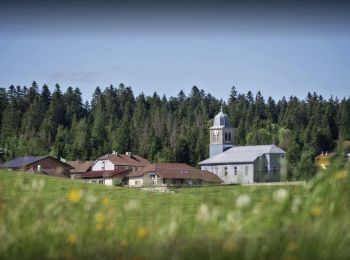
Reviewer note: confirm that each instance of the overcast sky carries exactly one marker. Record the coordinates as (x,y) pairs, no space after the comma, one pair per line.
(282,50)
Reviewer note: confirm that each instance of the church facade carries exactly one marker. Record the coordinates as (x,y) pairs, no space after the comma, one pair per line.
(240,164)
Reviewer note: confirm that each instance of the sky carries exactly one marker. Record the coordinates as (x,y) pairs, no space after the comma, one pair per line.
(280,49)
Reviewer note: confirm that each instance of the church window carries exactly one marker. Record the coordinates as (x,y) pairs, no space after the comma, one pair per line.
(225,136)
(229,136)
(225,171)
(235,170)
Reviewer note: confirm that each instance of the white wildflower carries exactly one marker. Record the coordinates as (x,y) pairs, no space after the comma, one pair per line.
(131,205)
(296,204)
(203,213)
(280,195)
(243,201)
(172,228)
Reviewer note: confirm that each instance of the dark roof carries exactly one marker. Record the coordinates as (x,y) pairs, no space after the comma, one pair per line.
(110,174)
(20,162)
(23,161)
(323,155)
(125,160)
(177,171)
(80,166)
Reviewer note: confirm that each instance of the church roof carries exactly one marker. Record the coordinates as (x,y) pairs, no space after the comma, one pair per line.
(221,120)
(243,154)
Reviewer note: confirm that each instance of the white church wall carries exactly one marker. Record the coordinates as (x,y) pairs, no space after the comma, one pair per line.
(232,173)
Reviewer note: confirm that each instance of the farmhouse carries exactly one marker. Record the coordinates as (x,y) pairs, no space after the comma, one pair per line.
(112,168)
(116,161)
(47,165)
(160,174)
(240,164)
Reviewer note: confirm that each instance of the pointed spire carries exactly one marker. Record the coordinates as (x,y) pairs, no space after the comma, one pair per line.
(221,108)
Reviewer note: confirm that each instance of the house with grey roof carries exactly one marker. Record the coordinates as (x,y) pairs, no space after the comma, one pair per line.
(240,164)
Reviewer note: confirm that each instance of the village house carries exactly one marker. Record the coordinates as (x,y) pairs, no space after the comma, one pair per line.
(117,161)
(46,165)
(173,174)
(79,167)
(324,159)
(240,164)
(113,168)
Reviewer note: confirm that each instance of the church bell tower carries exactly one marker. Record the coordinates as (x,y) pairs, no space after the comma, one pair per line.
(221,135)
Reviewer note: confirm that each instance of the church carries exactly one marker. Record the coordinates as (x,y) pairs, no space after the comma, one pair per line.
(240,164)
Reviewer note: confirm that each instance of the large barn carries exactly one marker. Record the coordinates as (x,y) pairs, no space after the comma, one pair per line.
(240,164)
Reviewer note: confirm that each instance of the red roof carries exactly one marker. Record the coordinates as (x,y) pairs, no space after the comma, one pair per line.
(109,174)
(125,160)
(177,171)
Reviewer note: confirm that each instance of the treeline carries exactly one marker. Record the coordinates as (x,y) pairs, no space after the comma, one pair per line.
(35,122)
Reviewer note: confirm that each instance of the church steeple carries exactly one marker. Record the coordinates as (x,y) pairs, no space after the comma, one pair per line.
(221,134)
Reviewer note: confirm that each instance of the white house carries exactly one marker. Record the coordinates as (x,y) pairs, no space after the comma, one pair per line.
(240,164)
(112,168)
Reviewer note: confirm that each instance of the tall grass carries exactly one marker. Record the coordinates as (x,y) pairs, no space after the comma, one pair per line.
(45,217)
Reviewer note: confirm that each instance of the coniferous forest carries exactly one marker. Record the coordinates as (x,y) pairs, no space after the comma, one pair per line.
(34,121)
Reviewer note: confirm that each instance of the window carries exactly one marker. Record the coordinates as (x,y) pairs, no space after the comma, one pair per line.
(100,181)
(225,171)
(226,137)
(229,136)
(137,182)
(235,170)
(103,166)
(246,170)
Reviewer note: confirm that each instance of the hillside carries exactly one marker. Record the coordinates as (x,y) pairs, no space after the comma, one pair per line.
(47,217)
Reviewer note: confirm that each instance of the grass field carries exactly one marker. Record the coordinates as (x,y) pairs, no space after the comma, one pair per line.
(47,217)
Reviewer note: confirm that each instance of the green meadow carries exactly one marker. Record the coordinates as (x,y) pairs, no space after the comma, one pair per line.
(50,218)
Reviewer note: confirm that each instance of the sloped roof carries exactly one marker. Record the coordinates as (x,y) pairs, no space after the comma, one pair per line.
(123,159)
(80,166)
(23,161)
(177,171)
(328,155)
(114,173)
(243,154)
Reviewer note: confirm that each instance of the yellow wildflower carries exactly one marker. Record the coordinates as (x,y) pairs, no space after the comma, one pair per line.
(72,238)
(105,201)
(99,226)
(141,233)
(100,217)
(315,212)
(291,247)
(74,196)
(340,175)
(229,246)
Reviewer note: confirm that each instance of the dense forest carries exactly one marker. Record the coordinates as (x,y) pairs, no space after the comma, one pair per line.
(34,121)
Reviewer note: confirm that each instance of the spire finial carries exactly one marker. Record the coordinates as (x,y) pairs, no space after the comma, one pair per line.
(221,109)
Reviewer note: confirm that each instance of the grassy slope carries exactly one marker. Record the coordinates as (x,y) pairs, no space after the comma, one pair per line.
(56,218)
